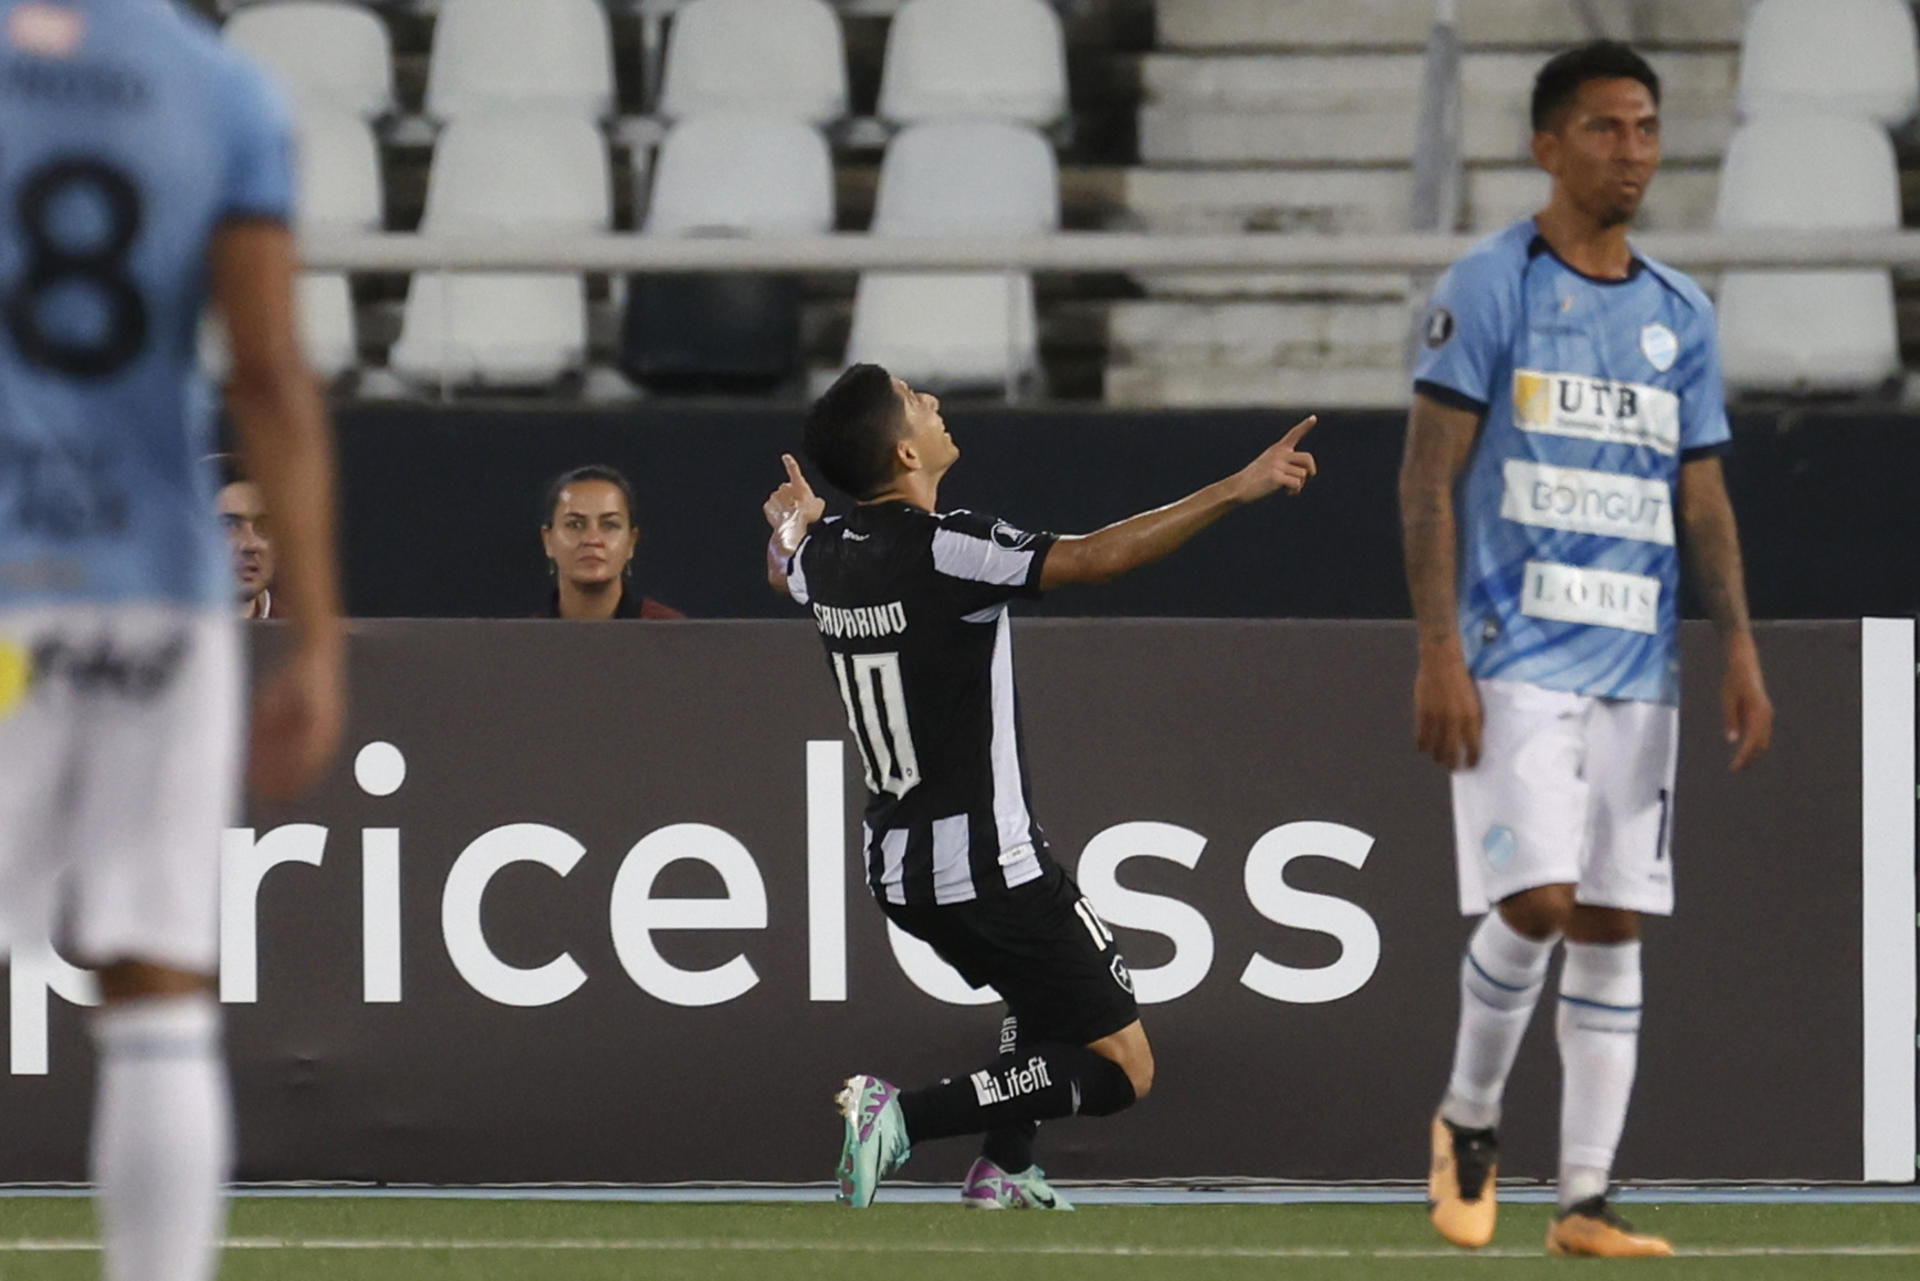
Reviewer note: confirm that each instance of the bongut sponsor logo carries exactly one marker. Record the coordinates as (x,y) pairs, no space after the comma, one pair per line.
(1588,502)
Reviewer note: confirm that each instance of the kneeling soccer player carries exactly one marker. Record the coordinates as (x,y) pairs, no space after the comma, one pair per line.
(912,607)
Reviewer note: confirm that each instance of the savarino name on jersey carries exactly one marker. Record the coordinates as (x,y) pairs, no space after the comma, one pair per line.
(867,620)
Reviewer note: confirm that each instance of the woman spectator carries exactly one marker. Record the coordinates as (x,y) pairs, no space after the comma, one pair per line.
(590,537)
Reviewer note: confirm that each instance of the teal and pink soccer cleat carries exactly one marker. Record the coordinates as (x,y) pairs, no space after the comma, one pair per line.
(988,1187)
(876,1137)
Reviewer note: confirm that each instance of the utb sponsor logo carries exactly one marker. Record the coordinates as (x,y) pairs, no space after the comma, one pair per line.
(1602,409)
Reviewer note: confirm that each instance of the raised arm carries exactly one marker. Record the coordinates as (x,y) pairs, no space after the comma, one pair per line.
(791,510)
(1446,707)
(1139,540)
(287,445)
(1713,555)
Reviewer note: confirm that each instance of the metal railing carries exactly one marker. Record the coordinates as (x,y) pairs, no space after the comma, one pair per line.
(1062,252)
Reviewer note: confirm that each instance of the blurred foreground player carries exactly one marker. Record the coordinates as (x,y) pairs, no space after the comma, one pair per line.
(1566,432)
(911,603)
(140,162)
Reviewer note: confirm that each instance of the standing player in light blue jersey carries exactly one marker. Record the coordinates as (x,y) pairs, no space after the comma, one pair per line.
(142,167)
(1565,438)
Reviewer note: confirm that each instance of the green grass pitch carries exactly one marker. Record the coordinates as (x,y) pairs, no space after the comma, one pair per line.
(395,1239)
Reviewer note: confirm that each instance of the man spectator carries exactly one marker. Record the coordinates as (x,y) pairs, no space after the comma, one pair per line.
(243,514)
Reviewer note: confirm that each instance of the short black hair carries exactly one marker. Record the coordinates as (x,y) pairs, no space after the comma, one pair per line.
(592,471)
(851,431)
(227,468)
(1558,83)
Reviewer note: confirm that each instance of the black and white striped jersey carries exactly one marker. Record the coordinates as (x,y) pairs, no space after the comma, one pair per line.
(912,607)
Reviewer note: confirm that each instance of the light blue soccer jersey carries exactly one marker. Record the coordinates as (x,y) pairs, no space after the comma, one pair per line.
(128,133)
(1593,393)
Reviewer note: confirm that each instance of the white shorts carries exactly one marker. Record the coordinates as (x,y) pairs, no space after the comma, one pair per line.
(1570,790)
(119,755)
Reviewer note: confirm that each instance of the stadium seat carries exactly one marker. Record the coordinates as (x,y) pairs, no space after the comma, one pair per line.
(1815,331)
(729,174)
(975,60)
(773,57)
(969,330)
(339,171)
(1846,57)
(338,190)
(326,52)
(323,307)
(742,173)
(556,54)
(524,172)
(325,301)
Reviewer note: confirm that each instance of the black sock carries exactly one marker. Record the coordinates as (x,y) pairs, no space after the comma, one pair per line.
(1042,1083)
(1011,1146)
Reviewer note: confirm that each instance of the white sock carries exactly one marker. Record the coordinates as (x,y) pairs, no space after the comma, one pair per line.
(1599,1025)
(162,1138)
(1500,981)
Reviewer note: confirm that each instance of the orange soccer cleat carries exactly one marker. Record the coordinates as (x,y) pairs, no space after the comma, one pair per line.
(1460,1185)
(1590,1229)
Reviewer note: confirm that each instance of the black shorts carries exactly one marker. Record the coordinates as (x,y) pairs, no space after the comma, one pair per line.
(1042,948)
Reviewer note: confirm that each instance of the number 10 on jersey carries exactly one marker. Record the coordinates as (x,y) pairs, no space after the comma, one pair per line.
(876,702)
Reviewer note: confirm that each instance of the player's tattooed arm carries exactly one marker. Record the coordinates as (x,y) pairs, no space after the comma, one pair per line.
(1446,707)
(791,510)
(1126,545)
(1713,544)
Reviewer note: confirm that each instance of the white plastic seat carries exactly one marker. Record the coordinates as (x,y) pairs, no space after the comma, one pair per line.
(519,173)
(323,307)
(326,52)
(338,190)
(728,174)
(325,301)
(975,60)
(1808,330)
(339,171)
(740,172)
(545,54)
(1844,57)
(957,330)
(769,57)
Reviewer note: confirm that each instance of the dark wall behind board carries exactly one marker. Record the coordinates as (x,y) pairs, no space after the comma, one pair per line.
(442,506)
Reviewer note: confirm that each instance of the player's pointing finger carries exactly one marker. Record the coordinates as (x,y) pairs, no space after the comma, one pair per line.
(794,473)
(1300,429)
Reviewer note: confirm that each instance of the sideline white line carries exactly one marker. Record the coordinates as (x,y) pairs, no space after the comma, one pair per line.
(683,1245)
